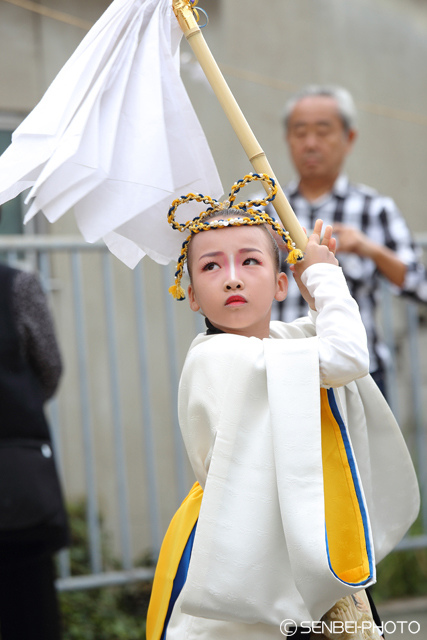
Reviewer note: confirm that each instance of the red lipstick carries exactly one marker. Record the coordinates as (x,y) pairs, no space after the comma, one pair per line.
(235,300)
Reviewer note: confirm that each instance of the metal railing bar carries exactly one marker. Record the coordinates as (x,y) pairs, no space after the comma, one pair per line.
(174,382)
(56,435)
(37,242)
(122,489)
(64,555)
(12,257)
(89,458)
(44,268)
(147,417)
(55,425)
(417,403)
(391,372)
(106,579)
(48,243)
(412,542)
(64,563)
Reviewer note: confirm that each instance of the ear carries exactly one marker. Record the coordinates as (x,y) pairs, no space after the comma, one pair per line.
(194,305)
(282,287)
(351,139)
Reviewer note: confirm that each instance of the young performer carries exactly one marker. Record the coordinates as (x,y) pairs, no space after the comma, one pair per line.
(303,478)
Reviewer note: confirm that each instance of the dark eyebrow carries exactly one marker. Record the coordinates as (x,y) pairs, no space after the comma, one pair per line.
(249,250)
(213,254)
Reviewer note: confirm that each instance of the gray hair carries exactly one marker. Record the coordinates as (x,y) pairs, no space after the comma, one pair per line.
(345,103)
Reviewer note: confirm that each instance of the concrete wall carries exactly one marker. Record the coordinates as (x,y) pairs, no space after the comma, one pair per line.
(376,48)
(33,48)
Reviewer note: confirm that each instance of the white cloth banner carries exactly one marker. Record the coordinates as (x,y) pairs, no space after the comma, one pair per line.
(115,137)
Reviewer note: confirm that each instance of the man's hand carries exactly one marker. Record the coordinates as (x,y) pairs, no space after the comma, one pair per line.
(352,240)
(316,252)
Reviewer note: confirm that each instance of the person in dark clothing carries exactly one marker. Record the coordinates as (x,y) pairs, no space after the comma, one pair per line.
(33,522)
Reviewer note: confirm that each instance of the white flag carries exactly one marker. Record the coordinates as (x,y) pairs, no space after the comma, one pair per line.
(115,137)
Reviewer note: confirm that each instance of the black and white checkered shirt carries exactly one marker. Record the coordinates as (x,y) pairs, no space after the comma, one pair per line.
(379,218)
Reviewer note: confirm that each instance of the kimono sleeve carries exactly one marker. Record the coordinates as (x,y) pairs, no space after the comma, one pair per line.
(210,375)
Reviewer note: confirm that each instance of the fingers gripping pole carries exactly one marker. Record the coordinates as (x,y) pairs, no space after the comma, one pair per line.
(253,150)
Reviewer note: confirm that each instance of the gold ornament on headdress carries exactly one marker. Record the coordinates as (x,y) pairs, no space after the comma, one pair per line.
(250,216)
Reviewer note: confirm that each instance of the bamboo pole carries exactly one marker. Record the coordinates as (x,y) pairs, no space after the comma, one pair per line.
(241,127)
(252,148)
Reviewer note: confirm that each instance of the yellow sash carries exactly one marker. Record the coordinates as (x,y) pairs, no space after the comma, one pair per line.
(173,546)
(345,516)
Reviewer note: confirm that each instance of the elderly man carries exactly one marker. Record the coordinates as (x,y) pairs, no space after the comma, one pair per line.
(372,236)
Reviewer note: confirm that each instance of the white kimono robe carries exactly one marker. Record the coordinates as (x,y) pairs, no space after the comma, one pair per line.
(249,411)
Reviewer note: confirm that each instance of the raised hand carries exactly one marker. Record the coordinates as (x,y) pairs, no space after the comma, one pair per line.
(317,251)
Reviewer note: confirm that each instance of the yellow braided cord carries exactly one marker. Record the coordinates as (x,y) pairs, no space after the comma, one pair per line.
(176,290)
(249,217)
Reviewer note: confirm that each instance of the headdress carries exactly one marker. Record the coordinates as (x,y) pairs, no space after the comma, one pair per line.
(250,216)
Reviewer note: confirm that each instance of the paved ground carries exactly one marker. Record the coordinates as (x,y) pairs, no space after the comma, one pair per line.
(404,619)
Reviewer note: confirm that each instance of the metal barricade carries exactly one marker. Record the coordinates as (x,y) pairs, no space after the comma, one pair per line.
(407,380)
(108,318)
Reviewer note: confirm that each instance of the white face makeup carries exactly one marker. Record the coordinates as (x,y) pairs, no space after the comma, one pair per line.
(234,279)
(232,265)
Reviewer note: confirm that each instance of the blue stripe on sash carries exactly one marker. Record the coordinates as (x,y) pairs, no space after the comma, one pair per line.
(180,578)
(335,411)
